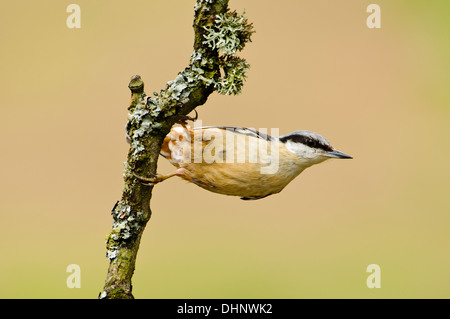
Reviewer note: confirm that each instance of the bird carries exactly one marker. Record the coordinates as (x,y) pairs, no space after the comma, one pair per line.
(239,161)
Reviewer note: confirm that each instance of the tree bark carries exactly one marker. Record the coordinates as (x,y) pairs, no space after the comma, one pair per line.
(218,35)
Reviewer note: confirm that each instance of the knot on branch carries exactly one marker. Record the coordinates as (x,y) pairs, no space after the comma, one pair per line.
(136,84)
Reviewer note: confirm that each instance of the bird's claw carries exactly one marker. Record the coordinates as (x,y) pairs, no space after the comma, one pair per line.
(184,118)
(148,181)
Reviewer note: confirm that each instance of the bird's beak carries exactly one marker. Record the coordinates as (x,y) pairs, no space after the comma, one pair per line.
(337,154)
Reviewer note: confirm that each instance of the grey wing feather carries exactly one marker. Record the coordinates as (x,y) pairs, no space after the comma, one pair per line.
(241,130)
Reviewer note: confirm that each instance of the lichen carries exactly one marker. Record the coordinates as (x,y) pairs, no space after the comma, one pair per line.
(200,72)
(176,87)
(126,223)
(141,121)
(229,33)
(235,70)
(200,2)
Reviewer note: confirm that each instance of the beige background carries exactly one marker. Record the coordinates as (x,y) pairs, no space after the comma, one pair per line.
(379,95)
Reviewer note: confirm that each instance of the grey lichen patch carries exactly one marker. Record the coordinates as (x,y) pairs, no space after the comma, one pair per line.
(176,87)
(127,169)
(201,3)
(201,72)
(235,70)
(141,121)
(126,223)
(229,33)
(199,69)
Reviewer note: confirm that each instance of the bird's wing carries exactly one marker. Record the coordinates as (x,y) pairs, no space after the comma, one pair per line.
(241,130)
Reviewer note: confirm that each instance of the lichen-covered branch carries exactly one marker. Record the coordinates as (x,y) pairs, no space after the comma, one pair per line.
(213,66)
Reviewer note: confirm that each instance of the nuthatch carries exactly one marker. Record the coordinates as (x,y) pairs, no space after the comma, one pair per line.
(234,160)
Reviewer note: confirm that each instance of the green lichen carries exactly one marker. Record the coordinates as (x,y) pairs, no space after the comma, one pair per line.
(201,73)
(127,222)
(235,70)
(141,121)
(176,87)
(200,2)
(229,33)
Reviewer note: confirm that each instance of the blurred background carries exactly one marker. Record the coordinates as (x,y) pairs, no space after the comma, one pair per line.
(381,95)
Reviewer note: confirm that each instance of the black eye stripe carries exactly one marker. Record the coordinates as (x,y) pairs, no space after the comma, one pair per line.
(308,141)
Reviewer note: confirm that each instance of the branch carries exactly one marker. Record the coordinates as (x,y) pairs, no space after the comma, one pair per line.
(219,34)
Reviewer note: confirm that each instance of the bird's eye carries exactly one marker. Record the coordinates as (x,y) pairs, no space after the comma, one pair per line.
(310,142)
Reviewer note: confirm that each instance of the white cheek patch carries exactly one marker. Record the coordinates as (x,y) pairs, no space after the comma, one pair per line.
(300,149)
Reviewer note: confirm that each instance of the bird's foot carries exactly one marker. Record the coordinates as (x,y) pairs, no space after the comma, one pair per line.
(184,118)
(152,180)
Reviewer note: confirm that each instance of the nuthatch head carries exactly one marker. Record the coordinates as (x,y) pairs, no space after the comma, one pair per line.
(310,147)
(235,161)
